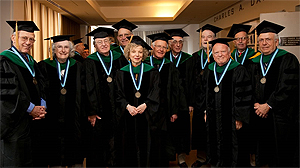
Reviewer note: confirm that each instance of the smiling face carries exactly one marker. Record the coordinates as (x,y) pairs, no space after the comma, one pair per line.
(136,55)
(241,41)
(102,45)
(26,40)
(159,49)
(62,50)
(122,36)
(221,53)
(207,36)
(267,43)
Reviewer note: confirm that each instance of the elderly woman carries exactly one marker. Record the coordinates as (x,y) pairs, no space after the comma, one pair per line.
(63,93)
(137,101)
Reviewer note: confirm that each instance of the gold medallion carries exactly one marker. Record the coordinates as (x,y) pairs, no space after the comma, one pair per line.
(109,79)
(263,80)
(137,94)
(217,89)
(63,91)
(202,71)
(34,81)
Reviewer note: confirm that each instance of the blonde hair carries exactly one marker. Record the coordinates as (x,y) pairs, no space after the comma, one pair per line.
(130,46)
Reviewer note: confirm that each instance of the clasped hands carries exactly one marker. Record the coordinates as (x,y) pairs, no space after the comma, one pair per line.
(261,110)
(38,112)
(136,110)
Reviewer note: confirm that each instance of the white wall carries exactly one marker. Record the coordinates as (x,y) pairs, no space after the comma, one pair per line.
(191,43)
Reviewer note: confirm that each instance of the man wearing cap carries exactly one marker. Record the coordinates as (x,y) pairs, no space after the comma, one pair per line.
(172,103)
(22,99)
(242,54)
(124,28)
(98,79)
(275,79)
(79,50)
(228,93)
(183,63)
(201,62)
(86,51)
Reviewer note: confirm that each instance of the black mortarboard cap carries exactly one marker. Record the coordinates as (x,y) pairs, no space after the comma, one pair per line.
(60,38)
(77,41)
(86,46)
(236,28)
(221,40)
(159,36)
(139,41)
(124,24)
(268,27)
(210,27)
(101,32)
(28,26)
(176,32)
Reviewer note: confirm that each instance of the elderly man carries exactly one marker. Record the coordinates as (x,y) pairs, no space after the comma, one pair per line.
(79,50)
(208,33)
(22,96)
(124,28)
(228,93)
(172,103)
(275,78)
(98,80)
(242,54)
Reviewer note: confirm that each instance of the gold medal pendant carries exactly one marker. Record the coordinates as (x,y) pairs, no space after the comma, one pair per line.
(263,80)
(202,71)
(63,91)
(109,79)
(137,94)
(34,81)
(217,89)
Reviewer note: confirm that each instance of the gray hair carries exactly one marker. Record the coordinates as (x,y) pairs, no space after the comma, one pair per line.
(130,46)
(71,53)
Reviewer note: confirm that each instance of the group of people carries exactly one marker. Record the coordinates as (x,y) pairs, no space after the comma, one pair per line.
(122,106)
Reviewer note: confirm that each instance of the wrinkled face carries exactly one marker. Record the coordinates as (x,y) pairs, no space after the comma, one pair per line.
(102,45)
(176,44)
(122,36)
(62,50)
(221,53)
(207,36)
(159,48)
(80,48)
(241,41)
(26,40)
(136,55)
(267,43)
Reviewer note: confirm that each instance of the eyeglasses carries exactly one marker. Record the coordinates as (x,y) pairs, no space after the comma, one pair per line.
(160,47)
(25,39)
(123,35)
(241,38)
(179,41)
(102,42)
(267,40)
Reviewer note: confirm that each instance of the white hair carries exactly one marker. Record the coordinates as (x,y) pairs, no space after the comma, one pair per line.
(71,53)
(153,44)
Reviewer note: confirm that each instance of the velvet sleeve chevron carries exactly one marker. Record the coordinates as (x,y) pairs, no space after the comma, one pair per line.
(242,94)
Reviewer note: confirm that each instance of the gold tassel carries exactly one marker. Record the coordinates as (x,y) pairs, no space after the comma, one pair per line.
(200,36)
(207,51)
(130,38)
(255,40)
(51,56)
(17,36)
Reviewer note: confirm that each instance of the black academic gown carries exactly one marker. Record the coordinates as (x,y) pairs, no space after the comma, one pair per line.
(277,136)
(185,68)
(198,123)
(99,100)
(172,101)
(134,131)
(64,115)
(78,57)
(232,103)
(19,133)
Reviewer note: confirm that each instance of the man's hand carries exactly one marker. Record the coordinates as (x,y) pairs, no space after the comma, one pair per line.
(141,108)
(38,112)
(132,110)
(238,125)
(173,117)
(92,119)
(261,110)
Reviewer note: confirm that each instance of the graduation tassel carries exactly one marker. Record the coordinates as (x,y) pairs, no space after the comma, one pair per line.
(255,40)
(51,56)
(17,36)
(207,51)
(200,36)
(130,38)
